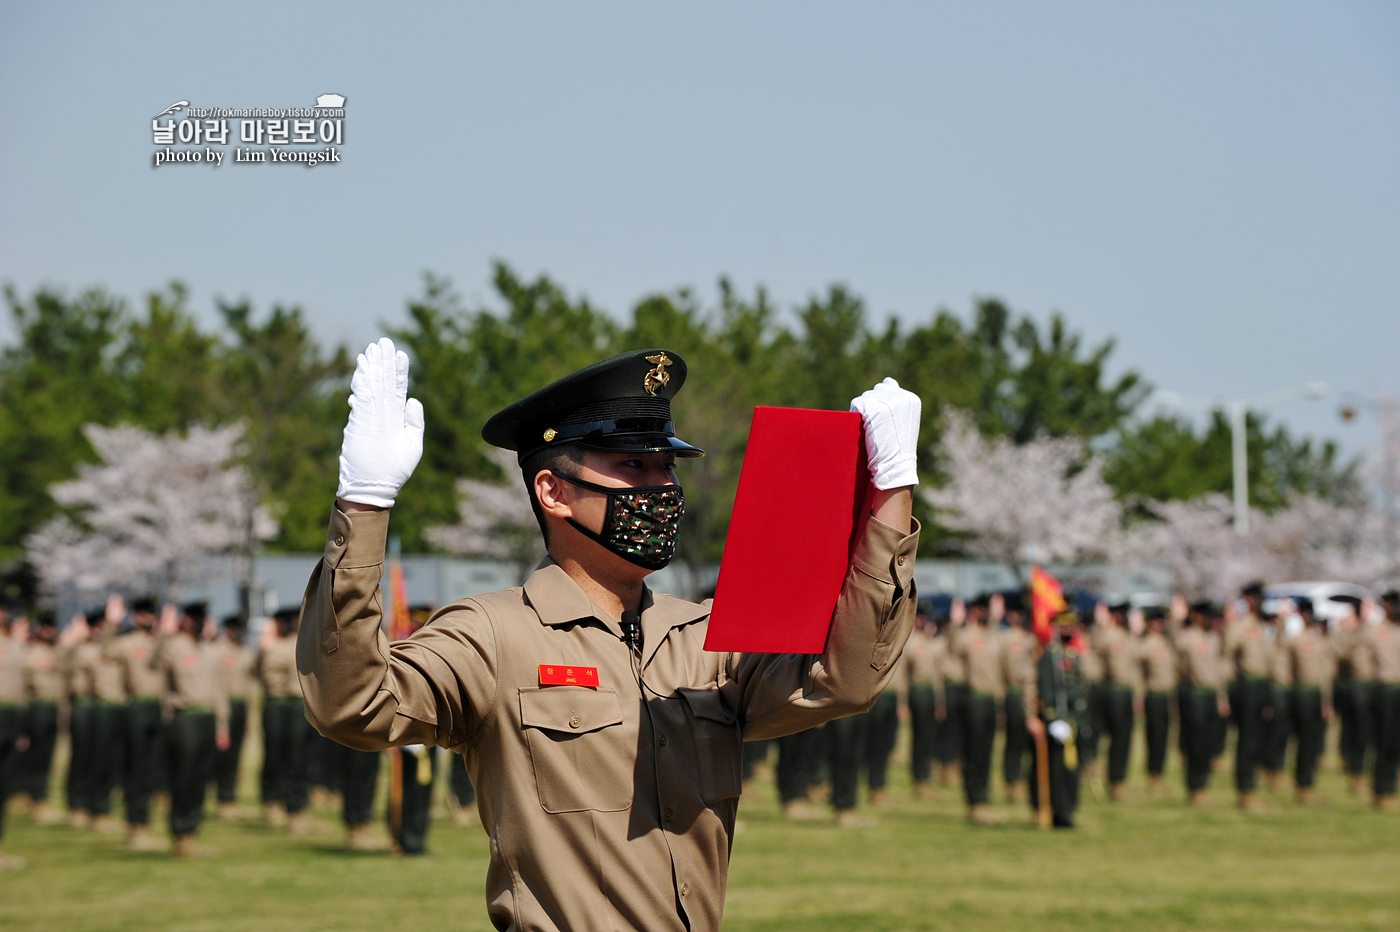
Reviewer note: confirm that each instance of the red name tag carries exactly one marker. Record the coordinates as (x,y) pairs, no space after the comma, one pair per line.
(553,674)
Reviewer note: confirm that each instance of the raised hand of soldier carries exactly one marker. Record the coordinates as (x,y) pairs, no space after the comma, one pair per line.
(75,632)
(169,620)
(383,439)
(891,418)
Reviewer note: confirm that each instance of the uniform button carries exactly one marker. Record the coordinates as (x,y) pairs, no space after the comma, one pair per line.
(662,741)
(900,560)
(573,722)
(685,889)
(340,540)
(667,815)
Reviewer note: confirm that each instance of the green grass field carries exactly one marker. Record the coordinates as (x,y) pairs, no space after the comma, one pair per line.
(1149,864)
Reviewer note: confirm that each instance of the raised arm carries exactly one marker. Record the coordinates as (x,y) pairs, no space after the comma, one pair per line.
(785,693)
(359,689)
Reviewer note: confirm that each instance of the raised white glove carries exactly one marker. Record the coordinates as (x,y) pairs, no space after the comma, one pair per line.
(891,417)
(384,437)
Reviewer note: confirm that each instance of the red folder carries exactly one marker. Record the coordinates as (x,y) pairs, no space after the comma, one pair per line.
(803,496)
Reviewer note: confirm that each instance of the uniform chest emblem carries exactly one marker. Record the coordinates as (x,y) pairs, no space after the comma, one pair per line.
(189,660)
(1120,646)
(1200,648)
(1156,653)
(1252,634)
(1017,647)
(139,653)
(230,661)
(555,674)
(979,645)
(1382,635)
(43,662)
(1305,647)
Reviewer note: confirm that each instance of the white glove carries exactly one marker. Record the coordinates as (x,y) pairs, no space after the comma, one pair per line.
(891,417)
(384,437)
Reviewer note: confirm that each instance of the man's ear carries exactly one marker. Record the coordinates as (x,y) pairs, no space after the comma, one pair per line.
(553,495)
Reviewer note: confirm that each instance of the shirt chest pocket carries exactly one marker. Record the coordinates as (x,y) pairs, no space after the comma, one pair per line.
(582,751)
(718,744)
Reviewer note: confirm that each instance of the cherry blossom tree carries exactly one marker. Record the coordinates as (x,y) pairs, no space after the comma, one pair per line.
(1309,539)
(495,520)
(150,513)
(1043,500)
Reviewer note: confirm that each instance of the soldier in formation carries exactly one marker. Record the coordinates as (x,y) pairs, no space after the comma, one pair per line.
(980,655)
(11,715)
(1158,675)
(44,689)
(236,675)
(1056,708)
(287,735)
(190,669)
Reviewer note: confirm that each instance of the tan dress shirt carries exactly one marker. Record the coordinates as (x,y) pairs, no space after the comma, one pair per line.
(276,669)
(1158,661)
(190,670)
(609,807)
(1119,651)
(1018,656)
(1383,644)
(1312,661)
(1199,662)
(235,669)
(98,675)
(134,652)
(43,673)
(1247,648)
(11,671)
(978,652)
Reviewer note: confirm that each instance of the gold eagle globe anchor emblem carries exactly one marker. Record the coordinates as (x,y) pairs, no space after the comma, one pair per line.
(658,377)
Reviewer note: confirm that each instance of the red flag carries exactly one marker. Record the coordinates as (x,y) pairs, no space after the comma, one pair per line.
(399,625)
(1047,601)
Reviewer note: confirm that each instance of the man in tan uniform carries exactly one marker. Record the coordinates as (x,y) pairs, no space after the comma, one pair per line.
(603,740)
(923,684)
(142,726)
(978,652)
(1158,675)
(1202,696)
(1383,644)
(236,673)
(43,688)
(1248,650)
(287,736)
(98,688)
(1018,656)
(1118,654)
(1311,666)
(189,665)
(1280,730)
(11,714)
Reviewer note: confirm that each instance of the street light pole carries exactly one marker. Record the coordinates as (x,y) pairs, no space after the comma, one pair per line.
(1239,421)
(1239,433)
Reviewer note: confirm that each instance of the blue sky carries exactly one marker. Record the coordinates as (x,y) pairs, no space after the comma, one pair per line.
(1215,185)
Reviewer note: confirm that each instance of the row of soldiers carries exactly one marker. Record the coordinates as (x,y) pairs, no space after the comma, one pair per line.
(156,703)
(977,668)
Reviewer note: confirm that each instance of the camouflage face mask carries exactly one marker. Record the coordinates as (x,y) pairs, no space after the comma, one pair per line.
(640,524)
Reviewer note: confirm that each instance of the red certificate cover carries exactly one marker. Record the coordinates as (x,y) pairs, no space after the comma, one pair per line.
(803,495)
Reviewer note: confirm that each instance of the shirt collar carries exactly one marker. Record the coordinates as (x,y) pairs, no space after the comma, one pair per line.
(558,600)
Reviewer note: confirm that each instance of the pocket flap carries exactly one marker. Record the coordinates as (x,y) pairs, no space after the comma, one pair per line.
(572,710)
(709,704)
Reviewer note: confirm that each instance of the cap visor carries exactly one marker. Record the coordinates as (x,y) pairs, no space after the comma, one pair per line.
(640,443)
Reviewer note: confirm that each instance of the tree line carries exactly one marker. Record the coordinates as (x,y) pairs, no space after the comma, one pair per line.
(91,358)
